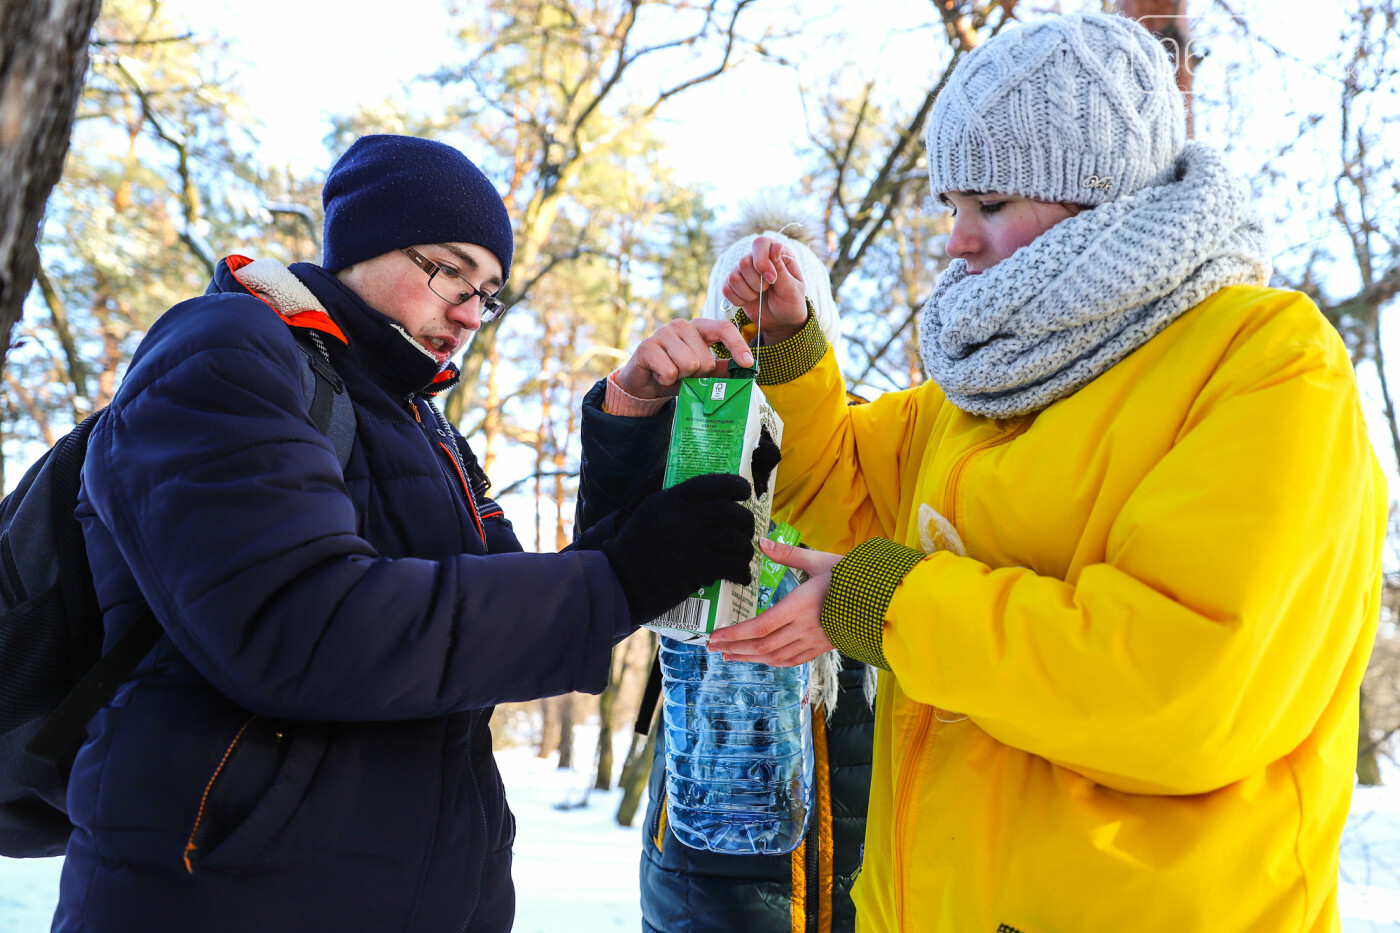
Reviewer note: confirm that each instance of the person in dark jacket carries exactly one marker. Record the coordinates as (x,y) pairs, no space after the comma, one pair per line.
(306,748)
(686,890)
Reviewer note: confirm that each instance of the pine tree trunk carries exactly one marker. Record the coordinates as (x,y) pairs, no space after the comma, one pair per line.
(607,702)
(629,759)
(566,730)
(549,734)
(491,424)
(545,436)
(560,459)
(43,55)
(635,774)
(1368,770)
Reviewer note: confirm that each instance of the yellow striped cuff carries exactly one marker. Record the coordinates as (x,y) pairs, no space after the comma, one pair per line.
(862,586)
(784,362)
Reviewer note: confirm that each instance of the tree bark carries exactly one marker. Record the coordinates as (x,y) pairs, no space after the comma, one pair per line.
(43,56)
(549,732)
(602,778)
(1167,20)
(560,455)
(491,423)
(636,773)
(1368,769)
(76,375)
(566,730)
(607,704)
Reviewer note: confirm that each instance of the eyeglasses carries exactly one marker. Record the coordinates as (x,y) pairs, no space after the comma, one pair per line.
(449,285)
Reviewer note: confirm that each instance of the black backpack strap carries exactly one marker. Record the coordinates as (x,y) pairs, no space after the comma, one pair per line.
(650,694)
(64,728)
(327,402)
(79,602)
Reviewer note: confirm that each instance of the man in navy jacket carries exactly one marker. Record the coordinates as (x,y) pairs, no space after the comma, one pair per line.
(306,748)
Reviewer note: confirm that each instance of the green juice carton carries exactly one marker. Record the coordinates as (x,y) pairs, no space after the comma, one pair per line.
(717,426)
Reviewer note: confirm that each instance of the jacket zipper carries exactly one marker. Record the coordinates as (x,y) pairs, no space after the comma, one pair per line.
(950,497)
(906,780)
(658,837)
(192,844)
(925,718)
(456,464)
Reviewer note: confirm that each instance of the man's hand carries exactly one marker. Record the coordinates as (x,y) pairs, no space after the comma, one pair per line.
(791,632)
(677,540)
(784,293)
(677,350)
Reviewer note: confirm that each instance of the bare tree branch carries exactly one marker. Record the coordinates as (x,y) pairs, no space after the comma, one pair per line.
(520,295)
(300,211)
(537,475)
(103,43)
(33,408)
(731,37)
(1371,748)
(873,359)
(621,32)
(58,312)
(189,191)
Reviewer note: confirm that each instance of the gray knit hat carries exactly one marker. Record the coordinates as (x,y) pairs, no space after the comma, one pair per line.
(1081,108)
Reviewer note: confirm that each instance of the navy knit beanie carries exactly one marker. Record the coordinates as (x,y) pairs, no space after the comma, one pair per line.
(388,192)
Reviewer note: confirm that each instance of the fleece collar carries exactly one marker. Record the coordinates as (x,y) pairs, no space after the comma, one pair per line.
(307,296)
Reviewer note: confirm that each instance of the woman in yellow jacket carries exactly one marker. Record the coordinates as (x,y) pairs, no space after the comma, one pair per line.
(1119,559)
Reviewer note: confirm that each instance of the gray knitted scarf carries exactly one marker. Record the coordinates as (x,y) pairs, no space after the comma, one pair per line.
(1056,314)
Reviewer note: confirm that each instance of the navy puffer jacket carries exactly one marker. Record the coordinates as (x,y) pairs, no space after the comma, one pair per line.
(307,747)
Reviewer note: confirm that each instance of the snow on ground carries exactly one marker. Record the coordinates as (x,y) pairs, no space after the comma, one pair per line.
(576,869)
(28,893)
(1370,874)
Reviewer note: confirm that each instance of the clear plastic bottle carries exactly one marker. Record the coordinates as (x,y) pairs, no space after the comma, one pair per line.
(738,751)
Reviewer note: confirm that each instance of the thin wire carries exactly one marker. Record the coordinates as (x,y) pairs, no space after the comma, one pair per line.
(758,334)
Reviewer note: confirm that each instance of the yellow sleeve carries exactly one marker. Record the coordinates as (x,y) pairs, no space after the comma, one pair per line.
(843,465)
(1238,592)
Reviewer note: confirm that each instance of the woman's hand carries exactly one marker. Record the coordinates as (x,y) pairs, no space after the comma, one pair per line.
(791,632)
(677,350)
(773,266)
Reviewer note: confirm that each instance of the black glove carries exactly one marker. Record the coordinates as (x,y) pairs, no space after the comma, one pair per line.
(606,528)
(647,487)
(680,539)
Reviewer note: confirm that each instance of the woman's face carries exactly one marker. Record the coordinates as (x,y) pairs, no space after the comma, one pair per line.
(988,227)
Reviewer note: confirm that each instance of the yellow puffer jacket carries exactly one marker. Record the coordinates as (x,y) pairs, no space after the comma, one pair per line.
(1133,705)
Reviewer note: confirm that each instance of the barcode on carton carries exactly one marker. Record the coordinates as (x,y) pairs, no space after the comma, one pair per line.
(693,615)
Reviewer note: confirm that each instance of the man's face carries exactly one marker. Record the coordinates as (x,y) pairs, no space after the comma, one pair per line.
(395,286)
